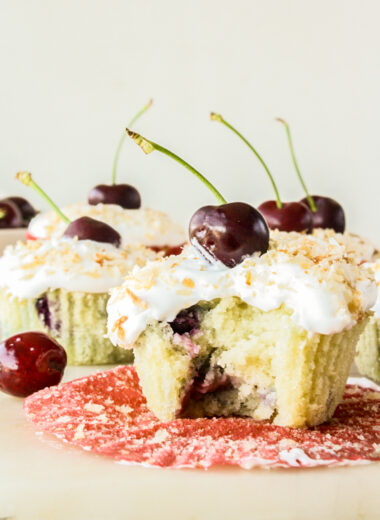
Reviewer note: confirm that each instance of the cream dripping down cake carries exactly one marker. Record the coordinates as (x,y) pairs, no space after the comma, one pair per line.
(238,324)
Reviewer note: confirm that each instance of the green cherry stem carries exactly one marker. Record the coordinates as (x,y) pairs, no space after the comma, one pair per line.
(149,146)
(124,135)
(310,199)
(220,119)
(26,178)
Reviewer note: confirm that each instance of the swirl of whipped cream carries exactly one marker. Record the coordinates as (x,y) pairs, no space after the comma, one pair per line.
(143,226)
(28,269)
(326,289)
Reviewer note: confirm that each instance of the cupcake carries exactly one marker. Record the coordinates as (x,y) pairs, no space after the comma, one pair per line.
(238,324)
(60,286)
(271,338)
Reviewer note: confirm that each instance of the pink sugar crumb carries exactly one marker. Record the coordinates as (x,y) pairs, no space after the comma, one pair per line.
(120,426)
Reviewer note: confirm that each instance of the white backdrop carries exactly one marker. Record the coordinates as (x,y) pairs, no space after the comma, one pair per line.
(73,72)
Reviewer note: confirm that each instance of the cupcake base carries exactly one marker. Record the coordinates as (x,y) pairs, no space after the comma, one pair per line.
(368,350)
(238,360)
(77,320)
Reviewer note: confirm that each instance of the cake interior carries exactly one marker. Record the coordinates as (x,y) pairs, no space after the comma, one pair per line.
(227,358)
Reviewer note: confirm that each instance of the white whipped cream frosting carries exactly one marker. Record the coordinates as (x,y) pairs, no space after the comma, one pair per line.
(312,275)
(28,269)
(144,226)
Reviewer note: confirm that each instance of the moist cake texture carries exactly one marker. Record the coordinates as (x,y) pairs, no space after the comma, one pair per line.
(272,338)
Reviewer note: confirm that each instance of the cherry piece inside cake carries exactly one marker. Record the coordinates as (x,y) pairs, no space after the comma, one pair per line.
(271,338)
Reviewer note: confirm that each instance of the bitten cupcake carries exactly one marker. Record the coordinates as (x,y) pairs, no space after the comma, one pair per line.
(243,324)
(60,285)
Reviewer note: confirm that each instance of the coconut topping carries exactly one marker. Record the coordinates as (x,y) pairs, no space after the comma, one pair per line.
(312,275)
(136,226)
(28,269)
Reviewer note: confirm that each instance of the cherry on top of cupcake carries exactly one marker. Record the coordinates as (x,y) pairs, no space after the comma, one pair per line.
(123,195)
(15,212)
(284,216)
(228,232)
(327,213)
(83,228)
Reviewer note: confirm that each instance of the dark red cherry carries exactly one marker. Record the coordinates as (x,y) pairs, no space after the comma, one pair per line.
(27,210)
(10,215)
(329,214)
(229,232)
(29,362)
(123,195)
(87,228)
(293,216)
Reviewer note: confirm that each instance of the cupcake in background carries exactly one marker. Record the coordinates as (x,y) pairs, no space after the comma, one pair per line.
(60,285)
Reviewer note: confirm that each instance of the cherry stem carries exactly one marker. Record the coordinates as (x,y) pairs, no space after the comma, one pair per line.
(219,118)
(2,213)
(310,199)
(26,178)
(149,146)
(122,138)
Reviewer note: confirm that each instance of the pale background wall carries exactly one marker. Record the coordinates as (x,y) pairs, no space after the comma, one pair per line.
(74,71)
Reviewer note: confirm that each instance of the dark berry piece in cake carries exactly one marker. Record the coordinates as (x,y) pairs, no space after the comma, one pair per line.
(186,321)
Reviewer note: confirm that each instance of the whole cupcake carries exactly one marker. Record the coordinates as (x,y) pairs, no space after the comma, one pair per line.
(60,285)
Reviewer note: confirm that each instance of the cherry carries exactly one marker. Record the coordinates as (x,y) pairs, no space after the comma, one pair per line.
(29,362)
(293,216)
(326,212)
(186,320)
(228,232)
(123,195)
(87,228)
(285,216)
(27,210)
(83,228)
(328,215)
(10,215)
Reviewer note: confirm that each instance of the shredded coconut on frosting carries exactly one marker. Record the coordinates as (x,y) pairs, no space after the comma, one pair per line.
(311,274)
(28,269)
(144,226)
